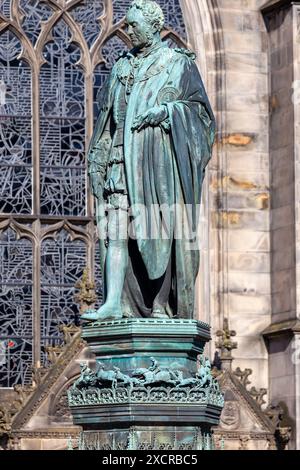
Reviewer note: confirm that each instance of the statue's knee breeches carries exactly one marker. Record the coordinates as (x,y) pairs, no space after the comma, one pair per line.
(117,225)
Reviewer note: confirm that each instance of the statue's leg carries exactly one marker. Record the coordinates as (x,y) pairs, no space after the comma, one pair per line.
(161,300)
(115,267)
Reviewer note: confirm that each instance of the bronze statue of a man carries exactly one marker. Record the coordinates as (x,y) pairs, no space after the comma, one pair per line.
(151,144)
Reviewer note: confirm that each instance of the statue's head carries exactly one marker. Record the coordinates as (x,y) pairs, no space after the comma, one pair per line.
(145,20)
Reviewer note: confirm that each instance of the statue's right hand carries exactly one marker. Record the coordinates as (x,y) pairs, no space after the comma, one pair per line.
(96,185)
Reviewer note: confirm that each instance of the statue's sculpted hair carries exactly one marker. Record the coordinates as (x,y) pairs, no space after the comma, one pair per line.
(151,11)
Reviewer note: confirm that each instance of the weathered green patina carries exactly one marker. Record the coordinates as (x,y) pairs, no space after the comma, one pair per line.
(147,388)
(150,147)
(149,380)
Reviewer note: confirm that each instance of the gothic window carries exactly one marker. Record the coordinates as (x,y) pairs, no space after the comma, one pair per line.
(34,12)
(54,57)
(16,327)
(15,128)
(62,263)
(62,126)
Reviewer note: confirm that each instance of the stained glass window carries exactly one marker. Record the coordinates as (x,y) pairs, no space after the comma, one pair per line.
(62,263)
(15,128)
(53,60)
(16,322)
(34,12)
(5,7)
(62,108)
(88,14)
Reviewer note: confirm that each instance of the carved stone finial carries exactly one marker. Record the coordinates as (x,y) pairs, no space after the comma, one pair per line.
(243,375)
(38,374)
(53,353)
(23,393)
(275,413)
(68,332)
(278,415)
(258,395)
(86,296)
(226,345)
(5,420)
(283,437)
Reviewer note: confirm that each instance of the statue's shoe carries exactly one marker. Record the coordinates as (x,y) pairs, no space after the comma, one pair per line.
(159,313)
(97,316)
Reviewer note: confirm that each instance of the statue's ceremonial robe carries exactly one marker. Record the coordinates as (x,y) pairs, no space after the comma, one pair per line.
(164,165)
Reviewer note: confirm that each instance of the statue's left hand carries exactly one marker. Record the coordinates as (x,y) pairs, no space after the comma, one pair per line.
(152,117)
(96,184)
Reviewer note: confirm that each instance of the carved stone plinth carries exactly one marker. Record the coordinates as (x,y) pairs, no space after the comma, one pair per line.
(147,389)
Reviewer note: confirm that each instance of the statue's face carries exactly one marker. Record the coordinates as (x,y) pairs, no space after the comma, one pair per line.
(140,30)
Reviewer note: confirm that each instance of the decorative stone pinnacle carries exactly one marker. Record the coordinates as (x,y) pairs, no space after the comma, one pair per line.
(86,296)
(226,345)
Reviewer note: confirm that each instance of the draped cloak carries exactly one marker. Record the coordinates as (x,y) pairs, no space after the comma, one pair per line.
(164,165)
